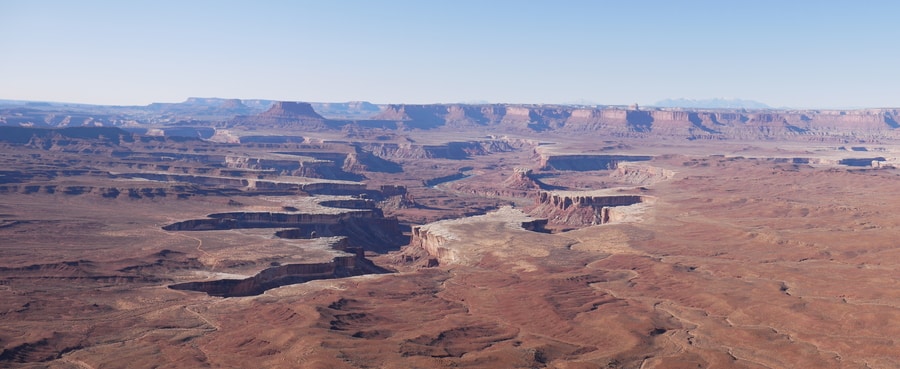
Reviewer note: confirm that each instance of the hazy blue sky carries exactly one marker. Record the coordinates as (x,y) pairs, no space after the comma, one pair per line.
(783,53)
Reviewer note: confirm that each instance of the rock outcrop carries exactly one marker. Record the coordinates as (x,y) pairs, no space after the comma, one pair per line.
(396,197)
(361,160)
(283,275)
(585,162)
(451,241)
(130,193)
(582,208)
(50,138)
(237,220)
(522,179)
(641,174)
(361,223)
(450,150)
(283,115)
(288,110)
(867,125)
(310,185)
(813,125)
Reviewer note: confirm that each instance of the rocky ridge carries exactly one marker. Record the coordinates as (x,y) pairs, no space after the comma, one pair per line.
(450,241)
(692,124)
(865,125)
(583,208)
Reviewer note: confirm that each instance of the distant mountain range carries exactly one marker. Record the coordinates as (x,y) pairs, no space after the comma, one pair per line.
(717,103)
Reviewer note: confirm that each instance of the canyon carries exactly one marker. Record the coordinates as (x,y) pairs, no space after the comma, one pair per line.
(234,233)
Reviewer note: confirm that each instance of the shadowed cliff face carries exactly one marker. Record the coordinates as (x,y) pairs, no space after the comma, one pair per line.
(364,228)
(639,121)
(586,162)
(283,275)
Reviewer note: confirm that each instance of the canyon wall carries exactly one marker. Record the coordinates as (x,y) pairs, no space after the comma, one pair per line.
(236,220)
(282,275)
(582,208)
(692,124)
(641,174)
(580,162)
(452,241)
(714,124)
(283,115)
(434,243)
(450,150)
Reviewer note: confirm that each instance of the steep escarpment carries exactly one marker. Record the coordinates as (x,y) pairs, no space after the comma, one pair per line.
(416,116)
(236,220)
(362,224)
(580,162)
(309,186)
(450,150)
(523,179)
(135,192)
(641,174)
(464,241)
(284,115)
(316,164)
(582,208)
(814,125)
(373,234)
(60,117)
(194,117)
(521,184)
(518,117)
(361,160)
(74,140)
(283,275)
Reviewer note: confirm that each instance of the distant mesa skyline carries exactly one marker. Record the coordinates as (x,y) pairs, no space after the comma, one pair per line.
(798,54)
(338,105)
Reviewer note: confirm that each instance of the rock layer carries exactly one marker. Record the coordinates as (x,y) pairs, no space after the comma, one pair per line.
(581,208)
(339,267)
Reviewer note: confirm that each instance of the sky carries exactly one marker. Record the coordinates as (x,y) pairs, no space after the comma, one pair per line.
(801,54)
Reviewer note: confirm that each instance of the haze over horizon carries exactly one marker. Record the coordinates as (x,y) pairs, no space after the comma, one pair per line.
(800,54)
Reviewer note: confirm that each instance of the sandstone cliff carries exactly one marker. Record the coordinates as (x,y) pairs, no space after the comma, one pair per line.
(641,174)
(282,275)
(285,115)
(813,125)
(580,162)
(464,241)
(450,150)
(581,208)
(361,160)
(865,125)
(523,179)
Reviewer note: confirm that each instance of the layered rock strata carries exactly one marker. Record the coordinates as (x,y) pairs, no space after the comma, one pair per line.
(283,275)
(450,150)
(580,162)
(866,125)
(451,241)
(284,115)
(641,174)
(583,208)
